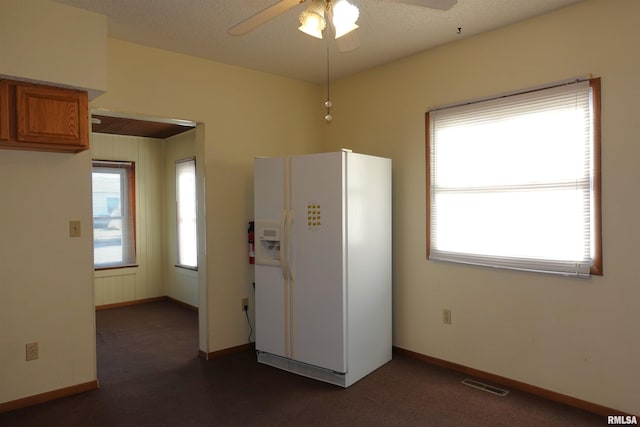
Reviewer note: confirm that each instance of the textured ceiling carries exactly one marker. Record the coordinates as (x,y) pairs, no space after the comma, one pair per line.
(388,31)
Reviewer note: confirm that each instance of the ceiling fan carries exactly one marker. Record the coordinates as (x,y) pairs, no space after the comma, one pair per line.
(341,15)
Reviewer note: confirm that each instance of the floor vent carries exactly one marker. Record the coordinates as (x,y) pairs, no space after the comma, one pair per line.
(485,387)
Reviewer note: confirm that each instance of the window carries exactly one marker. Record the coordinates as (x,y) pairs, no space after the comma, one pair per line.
(186,213)
(113,214)
(514,181)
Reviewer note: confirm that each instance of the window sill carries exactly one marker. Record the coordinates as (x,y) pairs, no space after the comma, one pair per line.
(186,267)
(115,267)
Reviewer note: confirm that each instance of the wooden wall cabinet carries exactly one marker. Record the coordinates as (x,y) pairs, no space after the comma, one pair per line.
(43,118)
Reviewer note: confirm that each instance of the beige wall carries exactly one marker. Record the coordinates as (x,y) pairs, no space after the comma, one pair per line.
(576,337)
(53,43)
(46,290)
(147,280)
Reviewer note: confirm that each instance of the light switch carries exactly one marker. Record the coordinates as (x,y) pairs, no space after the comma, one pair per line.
(74,228)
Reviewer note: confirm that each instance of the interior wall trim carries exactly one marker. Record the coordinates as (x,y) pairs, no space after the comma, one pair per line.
(183,304)
(48,396)
(514,384)
(224,352)
(133,302)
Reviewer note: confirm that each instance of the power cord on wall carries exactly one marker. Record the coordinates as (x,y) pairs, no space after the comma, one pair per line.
(246,313)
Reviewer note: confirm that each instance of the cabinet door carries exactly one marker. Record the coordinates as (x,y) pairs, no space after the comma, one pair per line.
(5,111)
(52,116)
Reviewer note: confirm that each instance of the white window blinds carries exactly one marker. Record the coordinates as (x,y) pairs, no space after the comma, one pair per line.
(511,181)
(186,213)
(113,185)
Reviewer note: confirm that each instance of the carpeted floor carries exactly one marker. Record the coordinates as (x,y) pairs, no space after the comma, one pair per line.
(150,375)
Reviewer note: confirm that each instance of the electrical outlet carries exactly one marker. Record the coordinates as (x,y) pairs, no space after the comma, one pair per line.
(446,316)
(31,351)
(245,304)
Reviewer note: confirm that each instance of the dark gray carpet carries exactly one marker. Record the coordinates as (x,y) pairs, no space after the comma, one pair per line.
(150,375)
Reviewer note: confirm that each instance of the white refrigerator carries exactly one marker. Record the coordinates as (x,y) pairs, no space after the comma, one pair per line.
(323,264)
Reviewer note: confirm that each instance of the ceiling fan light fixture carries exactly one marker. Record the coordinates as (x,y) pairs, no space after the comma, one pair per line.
(312,19)
(345,29)
(345,16)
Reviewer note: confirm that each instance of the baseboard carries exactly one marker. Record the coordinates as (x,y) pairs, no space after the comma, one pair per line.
(225,352)
(48,396)
(144,301)
(517,385)
(128,303)
(183,304)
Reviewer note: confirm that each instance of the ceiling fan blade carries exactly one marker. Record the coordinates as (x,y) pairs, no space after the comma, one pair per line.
(345,43)
(431,4)
(348,42)
(254,21)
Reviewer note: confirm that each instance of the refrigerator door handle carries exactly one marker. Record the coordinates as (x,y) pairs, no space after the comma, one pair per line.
(284,243)
(289,267)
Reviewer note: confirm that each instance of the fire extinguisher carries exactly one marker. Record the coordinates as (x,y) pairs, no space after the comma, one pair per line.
(252,245)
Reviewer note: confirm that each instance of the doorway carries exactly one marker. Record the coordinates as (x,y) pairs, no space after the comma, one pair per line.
(153,145)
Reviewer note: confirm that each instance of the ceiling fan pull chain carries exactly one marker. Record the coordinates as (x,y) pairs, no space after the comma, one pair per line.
(328,117)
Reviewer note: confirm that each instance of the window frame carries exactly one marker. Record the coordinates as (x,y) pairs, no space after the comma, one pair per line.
(130,197)
(180,264)
(596,267)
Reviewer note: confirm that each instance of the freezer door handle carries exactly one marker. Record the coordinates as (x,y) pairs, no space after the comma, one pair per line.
(284,243)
